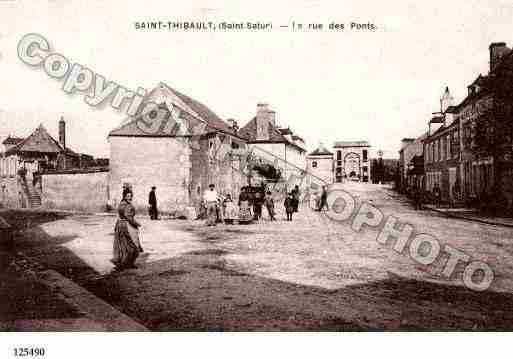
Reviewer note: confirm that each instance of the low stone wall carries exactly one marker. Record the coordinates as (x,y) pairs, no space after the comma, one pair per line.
(10,193)
(76,191)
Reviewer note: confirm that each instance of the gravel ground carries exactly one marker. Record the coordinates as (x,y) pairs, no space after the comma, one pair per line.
(311,274)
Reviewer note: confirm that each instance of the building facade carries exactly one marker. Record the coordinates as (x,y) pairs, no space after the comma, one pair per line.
(25,159)
(320,166)
(279,146)
(462,155)
(180,163)
(352,161)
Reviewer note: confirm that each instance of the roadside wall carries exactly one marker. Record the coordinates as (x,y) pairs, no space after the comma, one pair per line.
(10,193)
(80,191)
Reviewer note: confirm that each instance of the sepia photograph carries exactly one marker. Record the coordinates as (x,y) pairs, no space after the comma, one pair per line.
(332,169)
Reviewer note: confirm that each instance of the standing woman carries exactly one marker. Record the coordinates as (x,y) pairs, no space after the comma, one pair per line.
(245,215)
(126,245)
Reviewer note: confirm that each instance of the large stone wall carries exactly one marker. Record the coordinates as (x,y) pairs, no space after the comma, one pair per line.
(86,192)
(144,162)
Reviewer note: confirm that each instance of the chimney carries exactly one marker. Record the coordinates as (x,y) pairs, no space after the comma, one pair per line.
(272,117)
(62,132)
(262,122)
(497,51)
(406,141)
(233,124)
(446,100)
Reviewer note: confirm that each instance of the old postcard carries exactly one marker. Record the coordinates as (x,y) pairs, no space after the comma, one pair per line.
(275,166)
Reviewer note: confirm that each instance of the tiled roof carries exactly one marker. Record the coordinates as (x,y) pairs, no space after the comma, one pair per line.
(451,109)
(285,131)
(351,144)
(196,112)
(297,138)
(321,151)
(39,141)
(249,133)
(487,81)
(12,140)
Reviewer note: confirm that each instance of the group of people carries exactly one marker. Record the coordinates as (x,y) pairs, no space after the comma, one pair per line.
(250,205)
(420,196)
(127,245)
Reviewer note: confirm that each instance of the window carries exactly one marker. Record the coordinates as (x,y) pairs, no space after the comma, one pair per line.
(441,143)
(364,155)
(339,155)
(314,164)
(339,163)
(448,146)
(235,145)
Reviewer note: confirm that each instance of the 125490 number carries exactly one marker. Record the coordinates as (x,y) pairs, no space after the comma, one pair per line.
(29,352)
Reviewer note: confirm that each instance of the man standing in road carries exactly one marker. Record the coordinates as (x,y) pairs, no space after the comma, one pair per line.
(210,198)
(324,199)
(295,198)
(152,201)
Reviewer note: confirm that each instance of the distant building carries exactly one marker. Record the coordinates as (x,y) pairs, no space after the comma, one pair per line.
(24,159)
(410,148)
(10,142)
(320,166)
(352,161)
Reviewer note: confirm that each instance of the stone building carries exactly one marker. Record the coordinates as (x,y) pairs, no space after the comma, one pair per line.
(410,148)
(442,157)
(320,166)
(278,145)
(352,161)
(452,153)
(25,159)
(180,163)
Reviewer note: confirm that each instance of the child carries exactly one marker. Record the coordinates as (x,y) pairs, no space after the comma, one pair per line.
(230,212)
(289,206)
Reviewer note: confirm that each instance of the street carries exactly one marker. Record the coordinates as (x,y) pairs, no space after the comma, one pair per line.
(309,274)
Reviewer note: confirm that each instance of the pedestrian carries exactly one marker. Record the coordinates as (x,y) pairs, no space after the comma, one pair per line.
(230,210)
(456,193)
(324,199)
(417,197)
(257,205)
(220,209)
(210,199)
(126,188)
(245,215)
(126,246)
(295,196)
(437,194)
(269,204)
(289,206)
(152,201)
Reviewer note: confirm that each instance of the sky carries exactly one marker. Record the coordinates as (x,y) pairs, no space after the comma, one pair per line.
(379,86)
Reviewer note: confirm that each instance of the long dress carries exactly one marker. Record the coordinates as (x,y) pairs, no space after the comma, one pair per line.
(230,211)
(245,214)
(126,246)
